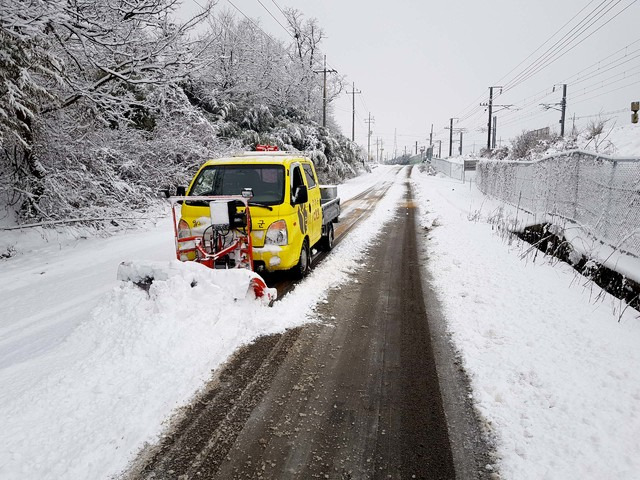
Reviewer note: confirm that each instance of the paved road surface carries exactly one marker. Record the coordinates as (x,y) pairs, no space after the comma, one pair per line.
(354,397)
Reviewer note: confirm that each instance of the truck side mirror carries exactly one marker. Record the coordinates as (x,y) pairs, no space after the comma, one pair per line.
(301,195)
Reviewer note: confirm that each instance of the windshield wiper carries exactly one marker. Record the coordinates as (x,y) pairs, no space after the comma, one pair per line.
(254,204)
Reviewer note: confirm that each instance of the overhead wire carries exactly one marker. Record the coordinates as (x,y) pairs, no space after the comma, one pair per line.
(561,53)
(563,41)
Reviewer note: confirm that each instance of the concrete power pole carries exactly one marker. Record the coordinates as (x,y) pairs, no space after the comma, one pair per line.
(416,147)
(431,136)
(495,129)
(377,150)
(353,93)
(395,143)
(451,136)
(324,91)
(563,106)
(369,122)
(490,108)
(460,149)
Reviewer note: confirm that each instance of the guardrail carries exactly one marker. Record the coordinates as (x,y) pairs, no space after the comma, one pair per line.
(599,193)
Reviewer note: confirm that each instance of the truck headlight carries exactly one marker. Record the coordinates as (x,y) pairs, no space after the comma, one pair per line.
(183,229)
(277,234)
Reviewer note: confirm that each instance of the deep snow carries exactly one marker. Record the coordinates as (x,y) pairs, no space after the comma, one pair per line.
(554,373)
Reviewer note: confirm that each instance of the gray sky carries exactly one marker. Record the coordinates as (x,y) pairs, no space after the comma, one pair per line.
(420,62)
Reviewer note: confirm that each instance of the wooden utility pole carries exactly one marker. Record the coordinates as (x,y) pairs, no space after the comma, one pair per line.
(353,93)
(324,91)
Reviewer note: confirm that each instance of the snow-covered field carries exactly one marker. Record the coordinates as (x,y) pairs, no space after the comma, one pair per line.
(90,369)
(554,363)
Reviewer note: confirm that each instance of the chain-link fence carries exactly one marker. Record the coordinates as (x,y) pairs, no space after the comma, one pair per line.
(450,169)
(600,194)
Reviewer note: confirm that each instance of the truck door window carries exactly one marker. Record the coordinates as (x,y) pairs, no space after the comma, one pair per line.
(309,174)
(296,180)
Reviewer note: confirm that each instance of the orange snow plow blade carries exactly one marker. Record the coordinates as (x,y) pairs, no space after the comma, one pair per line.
(220,241)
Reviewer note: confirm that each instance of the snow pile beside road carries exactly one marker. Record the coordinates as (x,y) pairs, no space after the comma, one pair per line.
(84,406)
(553,371)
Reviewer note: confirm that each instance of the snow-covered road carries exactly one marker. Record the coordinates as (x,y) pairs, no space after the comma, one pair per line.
(85,362)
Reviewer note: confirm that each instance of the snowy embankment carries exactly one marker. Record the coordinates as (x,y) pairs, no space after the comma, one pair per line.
(90,369)
(553,360)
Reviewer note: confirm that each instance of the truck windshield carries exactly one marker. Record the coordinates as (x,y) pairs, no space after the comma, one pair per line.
(267,182)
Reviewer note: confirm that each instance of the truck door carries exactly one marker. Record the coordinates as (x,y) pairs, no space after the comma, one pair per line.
(315,207)
(302,210)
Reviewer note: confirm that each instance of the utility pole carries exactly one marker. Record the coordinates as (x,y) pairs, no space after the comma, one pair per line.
(563,106)
(324,91)
(395,143)
(495,129)
(460,149)
(450,127)
(490,105)
(377,150)
(439,148)
(416,147)
(353,93)
(369,122)
(431,136)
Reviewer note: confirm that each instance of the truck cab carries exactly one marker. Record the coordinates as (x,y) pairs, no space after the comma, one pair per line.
(287,207)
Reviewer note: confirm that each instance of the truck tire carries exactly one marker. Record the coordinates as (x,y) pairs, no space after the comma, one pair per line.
(301,270)
(327,240)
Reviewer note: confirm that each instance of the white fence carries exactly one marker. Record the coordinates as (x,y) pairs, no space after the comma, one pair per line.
(600,194)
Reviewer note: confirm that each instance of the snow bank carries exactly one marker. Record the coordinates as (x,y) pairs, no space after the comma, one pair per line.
(85,405)
(554,364)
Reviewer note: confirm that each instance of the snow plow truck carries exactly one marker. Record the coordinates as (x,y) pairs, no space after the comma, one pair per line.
(261,211)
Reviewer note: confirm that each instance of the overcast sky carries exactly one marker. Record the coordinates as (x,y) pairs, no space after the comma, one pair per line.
(419,62)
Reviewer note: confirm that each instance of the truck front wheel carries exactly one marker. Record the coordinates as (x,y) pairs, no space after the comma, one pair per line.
(304,262)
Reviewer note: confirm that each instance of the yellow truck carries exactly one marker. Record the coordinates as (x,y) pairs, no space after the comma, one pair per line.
(291,213)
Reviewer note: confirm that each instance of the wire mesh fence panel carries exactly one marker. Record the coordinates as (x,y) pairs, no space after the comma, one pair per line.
(600,194)
(450,169)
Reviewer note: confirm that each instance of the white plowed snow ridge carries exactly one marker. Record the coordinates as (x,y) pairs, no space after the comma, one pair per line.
(553,372)
(90,369)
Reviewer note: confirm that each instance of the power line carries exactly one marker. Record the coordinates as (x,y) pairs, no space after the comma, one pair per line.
(608,91)
(564,40)
(553,58)
(601,60)
(277,21)
(546,41)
